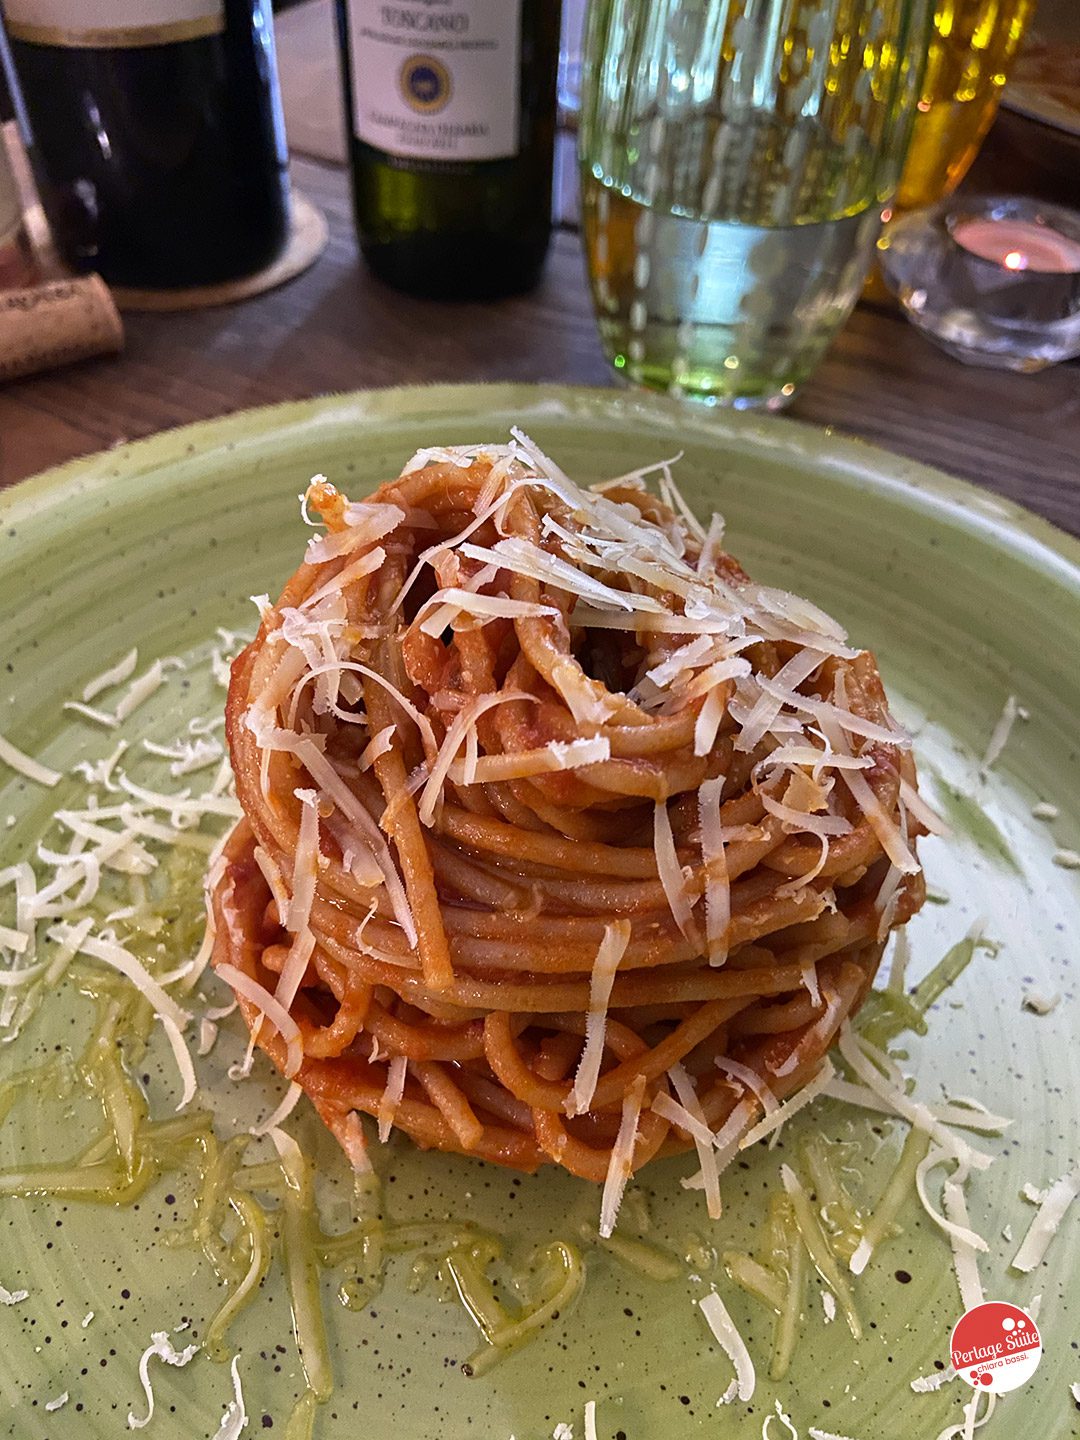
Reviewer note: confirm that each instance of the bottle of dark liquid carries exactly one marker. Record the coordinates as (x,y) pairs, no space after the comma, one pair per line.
(159,144)
(451,112)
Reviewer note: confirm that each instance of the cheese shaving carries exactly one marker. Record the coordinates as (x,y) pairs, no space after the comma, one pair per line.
(1041,1004)
(855,1052)
(161,1348)
(13,1297)
(714,860)
(751,1082)
(612,949)
(964,1252)
(235,1416)
(784,1419)
(114,675)
(927,1384)
(972,1420)
(182,1056)
(781,1114)
(999,737)
(590,1420)
(956,1230)
(671,873)
(621,1162)
(288,1104)
(354,1143)
(1044,1227)
(392,1095)
(26,766)
(693,1122)
(58,1404)
(271,1009)
(828,1304)
(731,1342)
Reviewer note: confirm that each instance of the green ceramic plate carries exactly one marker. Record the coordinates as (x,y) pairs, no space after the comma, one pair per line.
(965,599)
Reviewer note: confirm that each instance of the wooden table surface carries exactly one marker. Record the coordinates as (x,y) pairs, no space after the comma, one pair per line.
(336,328)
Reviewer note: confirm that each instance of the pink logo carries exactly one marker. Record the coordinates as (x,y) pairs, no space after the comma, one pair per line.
(996,1347)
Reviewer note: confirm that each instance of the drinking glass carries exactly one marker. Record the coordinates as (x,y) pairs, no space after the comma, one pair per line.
(735,158)
(972,46)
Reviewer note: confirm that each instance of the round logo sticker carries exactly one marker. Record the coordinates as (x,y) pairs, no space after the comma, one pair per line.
(996,1347)
(425,84)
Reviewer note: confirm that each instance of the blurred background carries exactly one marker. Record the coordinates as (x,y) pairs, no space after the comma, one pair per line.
(713,200)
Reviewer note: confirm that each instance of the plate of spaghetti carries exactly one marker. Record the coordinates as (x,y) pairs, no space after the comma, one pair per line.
(477,957)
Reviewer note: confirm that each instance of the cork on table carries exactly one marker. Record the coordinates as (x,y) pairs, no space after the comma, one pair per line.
(336,328)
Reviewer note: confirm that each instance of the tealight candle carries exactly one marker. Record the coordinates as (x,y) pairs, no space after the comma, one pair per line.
(993,279)
(1019,245)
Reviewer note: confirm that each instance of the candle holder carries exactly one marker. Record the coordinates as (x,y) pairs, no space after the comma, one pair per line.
(994,280)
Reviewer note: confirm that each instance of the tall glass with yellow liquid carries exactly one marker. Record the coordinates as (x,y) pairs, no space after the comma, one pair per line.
(971,49)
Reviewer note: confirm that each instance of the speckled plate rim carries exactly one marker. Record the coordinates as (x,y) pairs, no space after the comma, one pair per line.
(953,502)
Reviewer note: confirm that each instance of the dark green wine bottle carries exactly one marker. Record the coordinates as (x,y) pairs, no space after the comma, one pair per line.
(451,112)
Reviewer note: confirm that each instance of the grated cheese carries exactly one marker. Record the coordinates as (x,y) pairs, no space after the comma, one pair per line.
(391,1096)
(58,1404)
(955,1229)
(828,1304)
(1066,859)
(972,1421)
(114,675)
(999,736)
(1043,810)
(288,1104)
(13,1297)
(1044,1227)
(622,1158)
(1041,1004)
(464,724)
(690,1116)
(816,1434)
(26,766)
(354,1144)
(235,1416)
(161,1348)
(780,1114)
(271,1010)
(611,951)
(927,1384)
(855,1051)
(714,860)
(965,1260)
(731,1342)
(590,1420)
(672,877)
(785,1419)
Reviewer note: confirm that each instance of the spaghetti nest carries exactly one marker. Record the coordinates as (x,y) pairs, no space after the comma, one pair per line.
(563,841)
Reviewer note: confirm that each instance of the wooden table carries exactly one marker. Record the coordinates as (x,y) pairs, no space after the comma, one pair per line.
(336,328)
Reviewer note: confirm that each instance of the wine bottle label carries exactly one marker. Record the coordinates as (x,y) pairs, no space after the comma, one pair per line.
(112,24)
(436,79)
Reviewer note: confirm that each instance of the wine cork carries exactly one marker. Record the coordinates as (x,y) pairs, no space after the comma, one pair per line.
(54,324)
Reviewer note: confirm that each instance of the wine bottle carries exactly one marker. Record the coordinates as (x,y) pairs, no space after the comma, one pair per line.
(158,139)
(451,107)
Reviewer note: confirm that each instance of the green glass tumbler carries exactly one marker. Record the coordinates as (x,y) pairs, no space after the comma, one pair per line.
(735,158)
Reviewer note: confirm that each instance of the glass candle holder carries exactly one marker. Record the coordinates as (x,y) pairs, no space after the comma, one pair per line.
(993,280)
